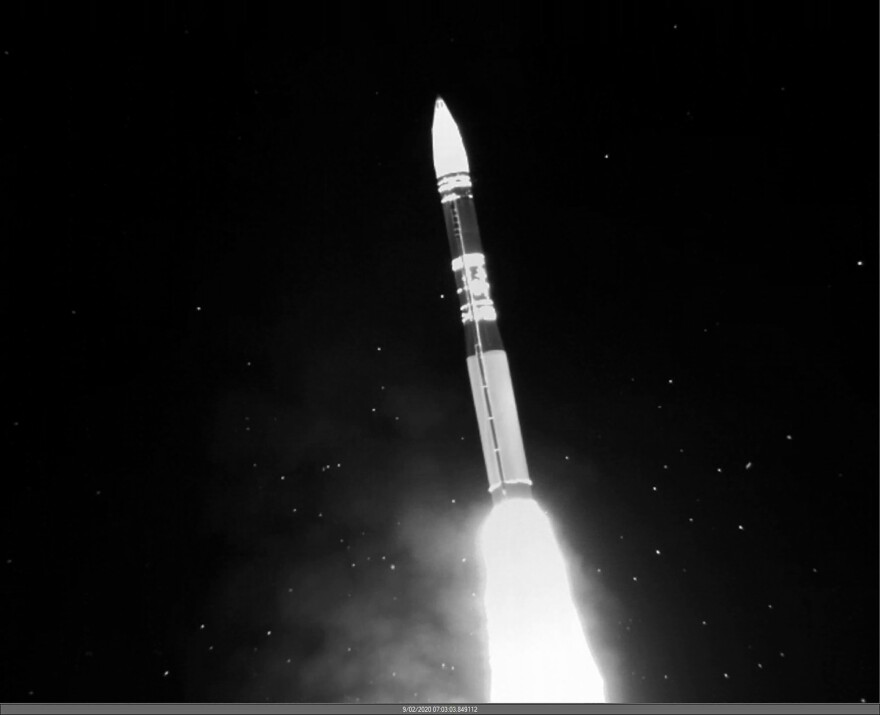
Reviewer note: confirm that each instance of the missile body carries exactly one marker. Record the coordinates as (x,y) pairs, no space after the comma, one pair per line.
(486,359)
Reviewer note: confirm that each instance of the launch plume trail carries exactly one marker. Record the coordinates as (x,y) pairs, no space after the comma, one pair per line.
(537,649)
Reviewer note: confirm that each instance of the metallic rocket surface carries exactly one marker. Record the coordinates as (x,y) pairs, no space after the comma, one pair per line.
(489,373)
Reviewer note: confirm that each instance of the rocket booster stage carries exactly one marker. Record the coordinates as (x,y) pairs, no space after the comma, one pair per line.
(486,359)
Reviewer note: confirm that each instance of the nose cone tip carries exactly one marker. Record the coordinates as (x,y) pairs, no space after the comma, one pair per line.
(441,111)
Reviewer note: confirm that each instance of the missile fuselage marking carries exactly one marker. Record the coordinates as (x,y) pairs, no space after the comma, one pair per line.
(456,224)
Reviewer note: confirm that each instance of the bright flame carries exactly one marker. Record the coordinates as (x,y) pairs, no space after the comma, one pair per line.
(537,649)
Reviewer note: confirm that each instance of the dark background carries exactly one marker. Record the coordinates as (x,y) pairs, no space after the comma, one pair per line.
(222,249)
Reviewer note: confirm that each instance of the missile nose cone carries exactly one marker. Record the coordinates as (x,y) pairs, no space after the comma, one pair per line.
(449,154)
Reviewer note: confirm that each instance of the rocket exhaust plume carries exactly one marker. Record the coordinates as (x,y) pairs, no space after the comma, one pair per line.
(537,649)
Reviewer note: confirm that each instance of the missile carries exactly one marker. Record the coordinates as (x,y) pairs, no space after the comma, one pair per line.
(487,365)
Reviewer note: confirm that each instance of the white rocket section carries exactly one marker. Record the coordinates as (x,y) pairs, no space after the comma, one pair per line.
(498,419)
(449,154)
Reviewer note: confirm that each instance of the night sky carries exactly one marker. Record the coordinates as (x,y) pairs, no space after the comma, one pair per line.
(241,460)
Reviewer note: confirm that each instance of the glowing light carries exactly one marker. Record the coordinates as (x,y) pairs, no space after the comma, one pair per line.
(480,313)
(537,648)
(468,260)
(452,186)
(479,305)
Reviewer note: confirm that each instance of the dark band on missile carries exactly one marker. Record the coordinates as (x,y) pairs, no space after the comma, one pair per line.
(489,338)
(511,490)
(461,226)
(464,238)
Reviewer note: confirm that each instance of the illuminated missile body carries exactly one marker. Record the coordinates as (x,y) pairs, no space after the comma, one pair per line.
(486,359)
(536,645)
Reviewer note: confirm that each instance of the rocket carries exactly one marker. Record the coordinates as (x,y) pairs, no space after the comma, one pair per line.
(487,365)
